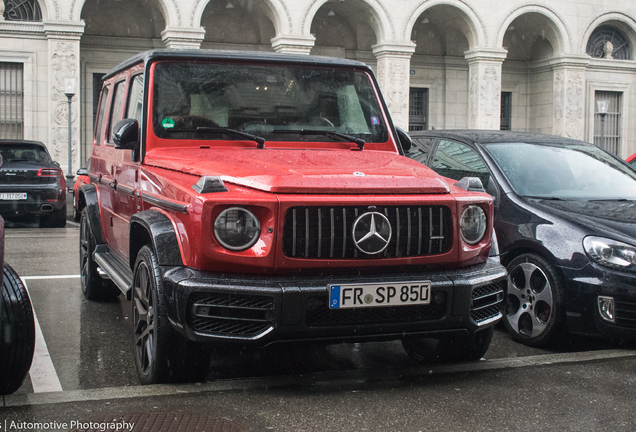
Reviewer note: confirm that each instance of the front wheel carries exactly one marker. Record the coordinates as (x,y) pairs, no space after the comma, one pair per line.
(533,300)
(17,332)
(161,355)
(449,348)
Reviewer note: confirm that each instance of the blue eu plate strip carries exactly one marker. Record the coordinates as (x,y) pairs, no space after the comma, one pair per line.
(334,297)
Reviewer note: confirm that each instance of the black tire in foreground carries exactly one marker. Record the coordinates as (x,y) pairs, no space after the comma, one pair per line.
(450,348)
(17,332)
(161,354)
(533,306)
(93,286)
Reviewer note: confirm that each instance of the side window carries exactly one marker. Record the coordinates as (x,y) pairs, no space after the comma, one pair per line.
(99,136)
(136,98)
(420,149)
(456,160)
(116,108)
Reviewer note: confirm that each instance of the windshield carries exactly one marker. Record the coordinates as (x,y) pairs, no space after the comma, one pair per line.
(564,171)
(24,153)
(268,101)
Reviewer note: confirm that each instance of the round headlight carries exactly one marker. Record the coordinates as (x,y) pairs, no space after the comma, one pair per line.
(472,224)
(237,229)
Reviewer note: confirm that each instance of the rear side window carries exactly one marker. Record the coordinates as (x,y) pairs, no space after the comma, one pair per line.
(116,109)
(136,98)
(99,136)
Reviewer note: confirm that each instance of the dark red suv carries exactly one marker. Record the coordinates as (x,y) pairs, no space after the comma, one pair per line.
(254,198)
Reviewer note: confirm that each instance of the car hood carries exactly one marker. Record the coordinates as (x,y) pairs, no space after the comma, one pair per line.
(611,218)
(304,171)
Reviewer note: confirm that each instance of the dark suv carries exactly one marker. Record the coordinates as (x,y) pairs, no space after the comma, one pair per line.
(254,198)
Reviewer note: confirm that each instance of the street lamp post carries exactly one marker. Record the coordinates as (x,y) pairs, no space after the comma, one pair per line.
(602,110)
(69,86)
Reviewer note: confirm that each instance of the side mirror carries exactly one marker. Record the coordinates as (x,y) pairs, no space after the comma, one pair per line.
(82,171)
(126,134)
(405,139)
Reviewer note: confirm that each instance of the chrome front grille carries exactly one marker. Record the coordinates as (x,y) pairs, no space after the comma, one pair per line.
(486,302)
(327,232)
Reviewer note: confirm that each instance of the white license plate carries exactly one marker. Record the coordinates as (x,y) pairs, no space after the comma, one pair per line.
(374,295)
(13,196)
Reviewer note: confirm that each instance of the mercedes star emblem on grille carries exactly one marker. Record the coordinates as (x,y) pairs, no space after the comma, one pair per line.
(371,233)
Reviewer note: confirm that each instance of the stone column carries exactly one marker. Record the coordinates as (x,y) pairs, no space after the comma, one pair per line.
(293,44)
(569,97)
(64,62)
(484,87)
(393,73)
(183,37)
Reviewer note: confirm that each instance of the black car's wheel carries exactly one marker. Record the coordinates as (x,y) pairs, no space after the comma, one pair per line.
(533,300)
(449,348)
(161,355)
(93,286)
(17,332)
(57,219)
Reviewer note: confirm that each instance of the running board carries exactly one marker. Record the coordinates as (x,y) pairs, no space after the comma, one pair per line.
(117,270)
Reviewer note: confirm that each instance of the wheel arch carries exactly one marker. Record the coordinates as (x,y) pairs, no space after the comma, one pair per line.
(154,228)
(89,199)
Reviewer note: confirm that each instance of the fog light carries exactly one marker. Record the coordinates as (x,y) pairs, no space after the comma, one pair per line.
(606,308)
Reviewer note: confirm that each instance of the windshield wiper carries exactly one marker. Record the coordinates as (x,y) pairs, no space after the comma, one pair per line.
(359,142)
(260,142)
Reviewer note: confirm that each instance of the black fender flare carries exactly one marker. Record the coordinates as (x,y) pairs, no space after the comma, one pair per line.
(154,227)
(88,195)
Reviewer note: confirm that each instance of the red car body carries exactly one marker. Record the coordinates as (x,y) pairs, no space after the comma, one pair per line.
(82,179)
(162,192)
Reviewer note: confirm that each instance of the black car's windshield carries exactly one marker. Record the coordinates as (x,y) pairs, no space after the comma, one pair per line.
(264,101)
(24,153)
(564,171)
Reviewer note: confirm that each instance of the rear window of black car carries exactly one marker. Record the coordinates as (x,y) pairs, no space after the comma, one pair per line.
(24,152)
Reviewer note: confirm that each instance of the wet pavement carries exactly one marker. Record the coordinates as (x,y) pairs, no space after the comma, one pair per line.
(577,384)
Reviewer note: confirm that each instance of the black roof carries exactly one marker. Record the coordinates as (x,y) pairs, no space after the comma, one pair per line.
(494,136)
(20,141)
(255,56)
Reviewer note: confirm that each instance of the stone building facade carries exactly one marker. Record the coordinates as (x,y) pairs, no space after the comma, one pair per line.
(523,65)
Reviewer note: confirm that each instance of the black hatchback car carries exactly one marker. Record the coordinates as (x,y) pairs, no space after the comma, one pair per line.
(31,183)
(565,218)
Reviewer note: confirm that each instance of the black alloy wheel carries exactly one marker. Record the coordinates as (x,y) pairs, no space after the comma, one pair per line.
(533,300)
(161,355)
(93,286)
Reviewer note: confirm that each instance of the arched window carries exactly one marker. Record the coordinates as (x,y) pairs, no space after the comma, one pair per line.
(22,10)
(608,42)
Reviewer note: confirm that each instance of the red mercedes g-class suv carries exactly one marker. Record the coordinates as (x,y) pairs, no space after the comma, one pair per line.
(253,198)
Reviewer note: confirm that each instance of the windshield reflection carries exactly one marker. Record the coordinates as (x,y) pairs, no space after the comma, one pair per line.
(553,171)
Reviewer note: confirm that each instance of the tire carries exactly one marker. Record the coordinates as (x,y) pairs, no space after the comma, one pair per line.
(534,302)
(161,354)
(450,348)
(17,332)
(93,286)
(57,219)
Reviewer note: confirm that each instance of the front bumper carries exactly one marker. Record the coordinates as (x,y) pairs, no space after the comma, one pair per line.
(582,307)
(261,310)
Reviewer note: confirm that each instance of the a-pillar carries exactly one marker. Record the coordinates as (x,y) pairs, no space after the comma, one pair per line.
(64,62)
(293,44)
(183,37)
(569,97)
(484,87)
(393,73)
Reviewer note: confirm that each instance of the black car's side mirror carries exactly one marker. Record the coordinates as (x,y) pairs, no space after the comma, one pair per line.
(82,171)
(405,139)
(126,134)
